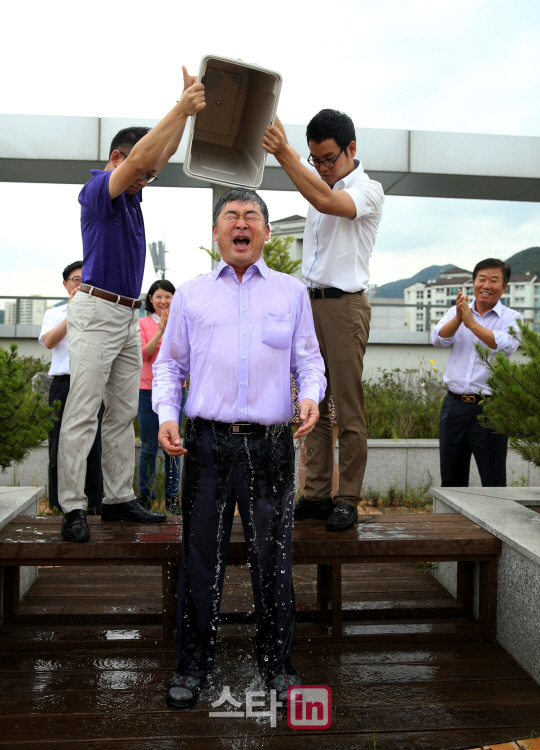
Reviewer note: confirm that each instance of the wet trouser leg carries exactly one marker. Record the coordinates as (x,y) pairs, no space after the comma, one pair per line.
(257,471)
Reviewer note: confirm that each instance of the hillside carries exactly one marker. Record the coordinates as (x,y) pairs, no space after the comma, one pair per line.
(395,288)
(526,260)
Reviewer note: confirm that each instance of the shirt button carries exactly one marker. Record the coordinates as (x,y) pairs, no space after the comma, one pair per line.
(243,411)
(244,356)
(243,385)
(244,333)
(244,309)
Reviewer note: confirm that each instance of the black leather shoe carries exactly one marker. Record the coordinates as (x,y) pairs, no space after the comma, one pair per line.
(74,526)
(281,683)
(317,509)
(172,506)
(131,511)
(343,517)
(145,502)
(183,691)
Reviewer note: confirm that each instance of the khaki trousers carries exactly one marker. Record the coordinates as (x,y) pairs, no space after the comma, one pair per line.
(105,360)
(342,327)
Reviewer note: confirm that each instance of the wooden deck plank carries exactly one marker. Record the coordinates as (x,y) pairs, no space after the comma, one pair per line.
(365,720)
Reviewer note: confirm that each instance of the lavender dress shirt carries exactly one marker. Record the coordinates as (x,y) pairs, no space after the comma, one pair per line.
(239,341)
(465,372)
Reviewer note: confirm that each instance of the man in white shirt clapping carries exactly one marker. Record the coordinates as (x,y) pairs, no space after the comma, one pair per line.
(53,335)
(341,226)
(487,320)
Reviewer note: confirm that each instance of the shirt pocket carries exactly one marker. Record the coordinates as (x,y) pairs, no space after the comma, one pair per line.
(276,329)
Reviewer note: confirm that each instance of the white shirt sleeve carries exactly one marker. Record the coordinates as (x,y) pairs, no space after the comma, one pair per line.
(49,322)
(439,341)
(368,197)
(505,341)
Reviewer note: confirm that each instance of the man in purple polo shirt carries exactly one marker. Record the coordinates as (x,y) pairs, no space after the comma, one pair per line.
(240,331)
(103,322)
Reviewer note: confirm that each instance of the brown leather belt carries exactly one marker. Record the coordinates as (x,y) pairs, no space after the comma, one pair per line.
(118,299)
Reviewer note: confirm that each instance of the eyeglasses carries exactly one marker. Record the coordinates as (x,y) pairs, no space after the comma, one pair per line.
(76,279)
(150,178)
(328,163)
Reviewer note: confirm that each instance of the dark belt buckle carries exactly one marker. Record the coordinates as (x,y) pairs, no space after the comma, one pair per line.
(469,399)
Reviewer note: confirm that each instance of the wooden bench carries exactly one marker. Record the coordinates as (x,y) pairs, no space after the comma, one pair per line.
(30,540)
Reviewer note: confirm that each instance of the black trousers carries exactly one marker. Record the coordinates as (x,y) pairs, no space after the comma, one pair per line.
(461,435)
(257,472)
(93,487)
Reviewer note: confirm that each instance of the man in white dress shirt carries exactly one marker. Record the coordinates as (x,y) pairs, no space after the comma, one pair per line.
(53,335)
(487,320)
(341,226)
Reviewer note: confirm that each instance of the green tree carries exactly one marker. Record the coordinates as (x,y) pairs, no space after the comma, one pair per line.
(514,407)
(275,253)
(25,417)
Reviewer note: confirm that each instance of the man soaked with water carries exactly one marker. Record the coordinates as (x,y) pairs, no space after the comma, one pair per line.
(239,331)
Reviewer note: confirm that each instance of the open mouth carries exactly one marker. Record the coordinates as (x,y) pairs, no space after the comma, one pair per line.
(241,242)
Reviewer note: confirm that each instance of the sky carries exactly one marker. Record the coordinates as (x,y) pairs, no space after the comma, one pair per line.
(465,66)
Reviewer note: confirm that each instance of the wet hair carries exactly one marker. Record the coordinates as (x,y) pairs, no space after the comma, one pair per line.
(127,137)
(244,196)
(68,270)
(329,123)
(167,286)
(493,263)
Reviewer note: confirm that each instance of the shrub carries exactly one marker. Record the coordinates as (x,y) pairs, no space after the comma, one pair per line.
(404,403)
(514,407)
(25,417)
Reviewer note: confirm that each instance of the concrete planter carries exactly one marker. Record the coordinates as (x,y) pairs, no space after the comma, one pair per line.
(508,514)
(408,464)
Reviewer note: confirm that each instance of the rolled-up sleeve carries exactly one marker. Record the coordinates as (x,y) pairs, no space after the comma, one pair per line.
(307,366)
(507,343)
(172,364)
(436,339)
(368,197)
(49,322)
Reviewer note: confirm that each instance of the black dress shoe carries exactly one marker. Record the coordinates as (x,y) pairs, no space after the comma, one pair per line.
(74,526)
(145,502)
(281,684)
(183,691)
(131,511)
(317,509)
(343,517)
(172,506)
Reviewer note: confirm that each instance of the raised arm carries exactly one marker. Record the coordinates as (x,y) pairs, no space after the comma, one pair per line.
(172,146)
(314,190)
(145,156)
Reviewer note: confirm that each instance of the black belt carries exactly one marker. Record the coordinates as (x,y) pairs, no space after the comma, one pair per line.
(468,398)
(238,428)
(62,378)
(329,293)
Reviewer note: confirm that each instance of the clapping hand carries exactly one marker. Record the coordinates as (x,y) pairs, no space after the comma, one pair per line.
(463,310)
(164,319)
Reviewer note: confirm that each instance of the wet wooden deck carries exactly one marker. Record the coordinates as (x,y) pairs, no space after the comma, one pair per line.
(418,676)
